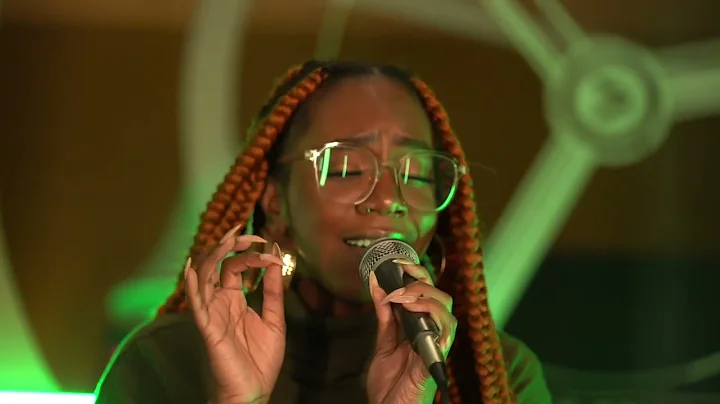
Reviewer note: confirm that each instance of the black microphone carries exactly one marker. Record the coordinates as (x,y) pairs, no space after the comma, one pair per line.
(419,328)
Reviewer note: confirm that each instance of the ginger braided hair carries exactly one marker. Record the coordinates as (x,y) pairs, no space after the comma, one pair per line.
(234,201)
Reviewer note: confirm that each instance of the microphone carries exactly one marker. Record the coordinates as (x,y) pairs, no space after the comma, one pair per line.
(419,328)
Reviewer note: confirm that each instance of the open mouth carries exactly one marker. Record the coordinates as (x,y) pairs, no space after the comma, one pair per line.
(369,237)
(360,242)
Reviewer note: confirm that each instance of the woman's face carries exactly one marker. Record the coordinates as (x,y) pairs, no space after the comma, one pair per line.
(386,118)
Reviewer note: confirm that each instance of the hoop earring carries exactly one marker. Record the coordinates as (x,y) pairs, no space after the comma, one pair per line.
(440,247)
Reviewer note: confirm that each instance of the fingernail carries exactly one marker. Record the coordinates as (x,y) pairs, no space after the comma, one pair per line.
(230,234)
(277,251)
(407,265)
(404,299)
(444,343)
(250,238)
(188,263)
(272,258)
(403,261)
(393,294)
(422,279)
(373,284)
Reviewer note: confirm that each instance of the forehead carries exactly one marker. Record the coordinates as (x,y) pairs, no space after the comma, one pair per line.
(371,104)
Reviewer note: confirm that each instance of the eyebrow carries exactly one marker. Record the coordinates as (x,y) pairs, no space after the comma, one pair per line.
(398,140)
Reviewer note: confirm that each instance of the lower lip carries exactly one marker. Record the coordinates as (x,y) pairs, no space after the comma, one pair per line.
(356,247)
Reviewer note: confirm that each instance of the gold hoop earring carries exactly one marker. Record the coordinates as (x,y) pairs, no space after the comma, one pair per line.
(436,248)
(440,247)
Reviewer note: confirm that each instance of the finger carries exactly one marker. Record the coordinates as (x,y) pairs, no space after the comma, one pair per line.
(418,272)
(229,244)
(273,310)
(192,294)
(231,273)
(444,319)
(208,275)
(421,289)
(244,242)
(232,268)
(387,333)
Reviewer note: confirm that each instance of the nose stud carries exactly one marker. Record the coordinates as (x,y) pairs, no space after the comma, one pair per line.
(364,210)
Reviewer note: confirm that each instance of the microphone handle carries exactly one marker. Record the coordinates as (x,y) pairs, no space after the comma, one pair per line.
(414,324)
(419,328)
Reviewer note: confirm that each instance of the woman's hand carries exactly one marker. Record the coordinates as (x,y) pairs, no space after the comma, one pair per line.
(397,375)
(245,350)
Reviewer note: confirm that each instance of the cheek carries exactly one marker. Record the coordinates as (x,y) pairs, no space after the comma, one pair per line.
(308,211)
(302,198)
(426,224)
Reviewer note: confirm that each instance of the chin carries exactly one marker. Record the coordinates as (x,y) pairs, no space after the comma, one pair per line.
(354,293)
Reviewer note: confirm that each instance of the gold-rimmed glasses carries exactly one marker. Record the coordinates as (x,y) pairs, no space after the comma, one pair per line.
(347,173)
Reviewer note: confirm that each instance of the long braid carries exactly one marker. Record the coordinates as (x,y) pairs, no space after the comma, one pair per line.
(290,76)
(235,198)
(465,257)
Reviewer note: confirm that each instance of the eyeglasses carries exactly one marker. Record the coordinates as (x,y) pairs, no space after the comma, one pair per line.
(346,173)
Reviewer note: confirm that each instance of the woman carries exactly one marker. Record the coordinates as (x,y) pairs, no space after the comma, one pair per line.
(341,155)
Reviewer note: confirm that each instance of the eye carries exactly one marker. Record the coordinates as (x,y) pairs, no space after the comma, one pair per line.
(417,180)
(345,162)
(344,173)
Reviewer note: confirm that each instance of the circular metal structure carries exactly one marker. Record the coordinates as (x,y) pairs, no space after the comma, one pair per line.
(611,98)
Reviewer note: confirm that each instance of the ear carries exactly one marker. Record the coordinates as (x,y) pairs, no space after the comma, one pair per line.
(272,204)
(270,199)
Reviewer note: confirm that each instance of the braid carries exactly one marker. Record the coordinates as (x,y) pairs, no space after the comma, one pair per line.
(235,198)
(290,76)
(462,238)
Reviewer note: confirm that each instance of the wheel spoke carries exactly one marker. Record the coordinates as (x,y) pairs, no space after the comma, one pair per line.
(468,20)
(332,28)
(567,29)
(529,35)
(694,79)
(208,145)
(24,367)
(530,223)
(208,104)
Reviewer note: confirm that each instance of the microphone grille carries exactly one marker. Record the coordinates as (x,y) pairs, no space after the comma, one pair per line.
(383,250)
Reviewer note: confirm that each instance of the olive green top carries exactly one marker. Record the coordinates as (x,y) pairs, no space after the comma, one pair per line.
(165,361)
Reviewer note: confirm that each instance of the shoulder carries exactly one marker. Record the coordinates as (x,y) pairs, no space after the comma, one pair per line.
(172,337)
(524,371)
(160,326)
(159,360)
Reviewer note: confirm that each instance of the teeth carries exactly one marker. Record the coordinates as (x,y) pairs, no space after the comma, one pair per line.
(364,243)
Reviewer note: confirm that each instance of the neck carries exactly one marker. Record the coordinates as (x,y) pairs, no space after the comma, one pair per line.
(322,302)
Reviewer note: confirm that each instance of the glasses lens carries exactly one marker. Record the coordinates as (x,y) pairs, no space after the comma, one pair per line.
(345,173)
(427,180)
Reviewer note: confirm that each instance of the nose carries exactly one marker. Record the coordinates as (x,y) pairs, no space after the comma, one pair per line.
(385,198)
